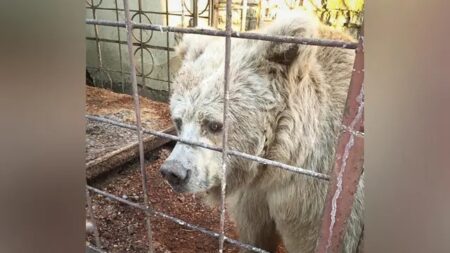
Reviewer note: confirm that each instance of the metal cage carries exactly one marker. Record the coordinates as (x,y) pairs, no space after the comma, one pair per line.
(348,167)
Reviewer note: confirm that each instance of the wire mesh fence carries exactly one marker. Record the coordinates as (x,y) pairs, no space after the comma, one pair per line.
(348,164)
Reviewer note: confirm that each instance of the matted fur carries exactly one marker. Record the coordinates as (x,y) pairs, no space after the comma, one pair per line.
(286,104)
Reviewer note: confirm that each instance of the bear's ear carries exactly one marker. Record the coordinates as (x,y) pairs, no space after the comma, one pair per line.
(191,46)
(296,24)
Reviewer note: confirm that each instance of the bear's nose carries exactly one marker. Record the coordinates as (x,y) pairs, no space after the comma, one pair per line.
(175,173)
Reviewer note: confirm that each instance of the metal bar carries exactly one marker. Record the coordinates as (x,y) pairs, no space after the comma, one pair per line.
(240,35)
(348,165)
(144,86)
(182,13)
(215,13)
(174,13)
(173,219)
(92,218)
(259,15)
(354,132)
(210,14)
(244,15)
(226,95)
(137,44)
(92,249)
(129,27)
(167,44)
(120,48)
(118,71)
(194,13)
(97,43)
(203,145)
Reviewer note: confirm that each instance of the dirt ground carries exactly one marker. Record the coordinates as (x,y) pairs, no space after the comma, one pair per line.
(155,115)
(122,229)
(103,138)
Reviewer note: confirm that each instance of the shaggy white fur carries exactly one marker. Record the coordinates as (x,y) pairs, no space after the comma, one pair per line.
(286,104)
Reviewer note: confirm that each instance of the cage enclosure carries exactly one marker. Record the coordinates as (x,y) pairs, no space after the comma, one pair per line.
(129,132)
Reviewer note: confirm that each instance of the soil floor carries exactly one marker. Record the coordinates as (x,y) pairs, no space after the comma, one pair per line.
(103,138)
(122,228)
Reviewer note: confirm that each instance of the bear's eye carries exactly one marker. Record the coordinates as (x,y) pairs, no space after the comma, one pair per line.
(214,126)
(178,123)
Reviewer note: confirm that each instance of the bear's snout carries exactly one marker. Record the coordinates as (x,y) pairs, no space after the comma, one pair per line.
(175,173)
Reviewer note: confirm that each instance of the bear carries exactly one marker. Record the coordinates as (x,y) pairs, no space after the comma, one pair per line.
(286,104)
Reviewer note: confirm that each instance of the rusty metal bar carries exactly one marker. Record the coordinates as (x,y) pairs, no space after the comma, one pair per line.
(92,219)
(173,219)
(204,145)
(137,108)
(240,35)
(348,164)
(226,99)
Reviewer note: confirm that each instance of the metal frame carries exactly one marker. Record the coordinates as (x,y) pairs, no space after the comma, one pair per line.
(349,153)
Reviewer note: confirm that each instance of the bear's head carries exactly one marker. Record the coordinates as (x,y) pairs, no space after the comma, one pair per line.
(259,70)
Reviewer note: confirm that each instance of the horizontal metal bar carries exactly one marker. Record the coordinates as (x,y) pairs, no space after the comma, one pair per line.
(203,145)
(240,35)
(92,249)
(174,13)
(173,219)
(353,132)
(137,44)
(128,73)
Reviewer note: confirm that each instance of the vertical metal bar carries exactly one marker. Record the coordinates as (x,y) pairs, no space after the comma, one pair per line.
(225,123)
(144,85)
(120,48)
(260,13)
(168,52)
(92,218)
(210,12)
(137,108)
(244,15)
(99,51)
(195,13)
(215,13)
(182,13)
(348,164)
